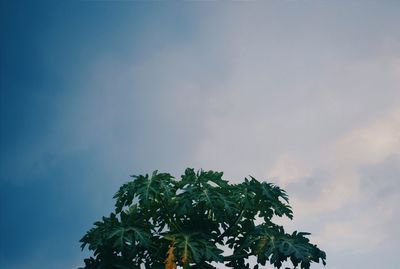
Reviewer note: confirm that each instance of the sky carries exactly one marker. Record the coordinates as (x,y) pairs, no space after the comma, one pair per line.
(305,94)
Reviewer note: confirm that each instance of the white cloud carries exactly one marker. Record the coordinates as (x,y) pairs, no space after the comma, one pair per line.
(288,169)
(309,116)
(306,109)
(345,215)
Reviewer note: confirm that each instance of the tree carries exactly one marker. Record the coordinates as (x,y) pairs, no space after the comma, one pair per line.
(160,222)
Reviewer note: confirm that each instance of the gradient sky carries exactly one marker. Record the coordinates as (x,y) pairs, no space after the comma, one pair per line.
(302,93)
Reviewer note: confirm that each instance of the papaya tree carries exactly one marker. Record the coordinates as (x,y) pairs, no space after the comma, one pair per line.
(200,221)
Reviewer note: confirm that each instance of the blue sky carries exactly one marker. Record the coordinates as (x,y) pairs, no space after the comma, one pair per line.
(302,93)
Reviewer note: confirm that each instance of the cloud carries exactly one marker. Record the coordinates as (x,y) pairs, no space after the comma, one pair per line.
(302,94)
(310,119)
(356,206)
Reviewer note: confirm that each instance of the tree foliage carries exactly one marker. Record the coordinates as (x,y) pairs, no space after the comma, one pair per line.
(160,222)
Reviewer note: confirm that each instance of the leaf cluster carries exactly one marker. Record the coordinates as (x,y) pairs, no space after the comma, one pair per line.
(161,222)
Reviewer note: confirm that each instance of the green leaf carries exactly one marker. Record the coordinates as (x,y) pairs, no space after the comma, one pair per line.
(199,215)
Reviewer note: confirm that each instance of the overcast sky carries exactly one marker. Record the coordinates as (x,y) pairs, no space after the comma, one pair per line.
(305,94)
